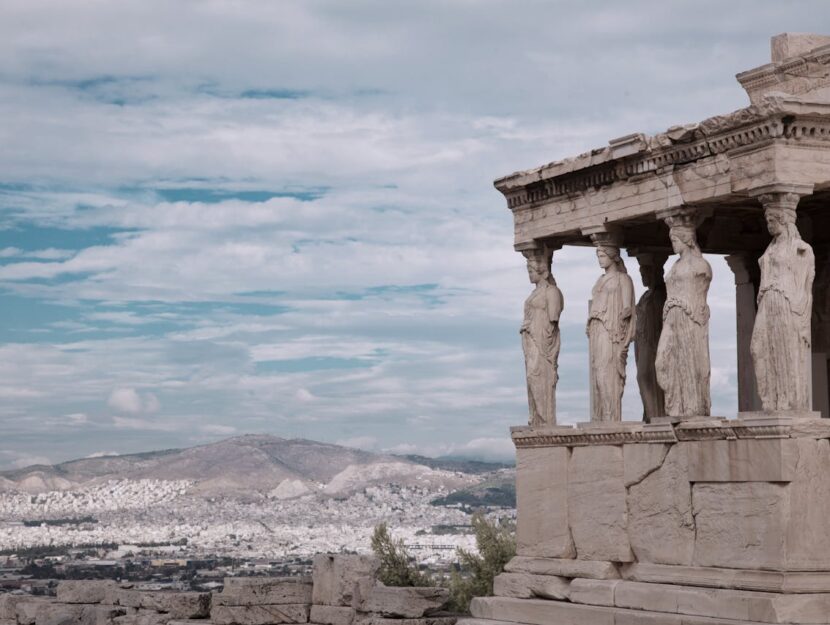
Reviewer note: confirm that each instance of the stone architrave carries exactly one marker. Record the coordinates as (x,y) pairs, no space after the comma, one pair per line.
(649,325)
(781,336)
(540,337)
(610,329)
(683,367)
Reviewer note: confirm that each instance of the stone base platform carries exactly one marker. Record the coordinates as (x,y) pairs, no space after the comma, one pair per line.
(693,522)
(544,591)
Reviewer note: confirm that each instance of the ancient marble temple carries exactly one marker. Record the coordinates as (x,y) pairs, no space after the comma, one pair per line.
(676,517)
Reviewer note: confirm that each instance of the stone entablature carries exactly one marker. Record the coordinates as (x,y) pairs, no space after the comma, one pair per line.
(696,165)
(665,430)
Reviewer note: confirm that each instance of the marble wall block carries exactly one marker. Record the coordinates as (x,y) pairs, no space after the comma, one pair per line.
(542,495)
(597,504)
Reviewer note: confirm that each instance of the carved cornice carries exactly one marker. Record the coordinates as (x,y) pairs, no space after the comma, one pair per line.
(702,429)
(774,119)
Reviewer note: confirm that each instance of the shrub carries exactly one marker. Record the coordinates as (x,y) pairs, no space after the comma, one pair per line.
(397,567)
(496,546)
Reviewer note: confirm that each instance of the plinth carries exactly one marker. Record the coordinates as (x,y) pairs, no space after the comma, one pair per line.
(707,521)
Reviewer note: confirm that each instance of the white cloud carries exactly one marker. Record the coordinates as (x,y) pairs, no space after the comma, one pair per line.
(125,400)
(220,430)
(132,402)
(145,293)
(368,443)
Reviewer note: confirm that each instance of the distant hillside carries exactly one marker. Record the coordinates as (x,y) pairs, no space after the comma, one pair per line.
(447,463)
(264,464)
(498,489)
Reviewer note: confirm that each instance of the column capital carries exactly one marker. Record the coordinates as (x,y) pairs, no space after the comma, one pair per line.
(740,264)
(536,246)
(604,235)
(780,195)
(683,215)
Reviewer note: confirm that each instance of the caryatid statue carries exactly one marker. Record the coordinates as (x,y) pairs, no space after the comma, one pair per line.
(540,337)
(781,336)
(683,366)
(649,325)
(611,327)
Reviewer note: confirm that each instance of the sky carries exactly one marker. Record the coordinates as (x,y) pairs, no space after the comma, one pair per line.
(231,217)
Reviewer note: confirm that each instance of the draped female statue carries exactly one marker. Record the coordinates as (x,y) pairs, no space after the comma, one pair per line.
(781,337)
(540,338)
(683,367)
(610,329)
(649,326)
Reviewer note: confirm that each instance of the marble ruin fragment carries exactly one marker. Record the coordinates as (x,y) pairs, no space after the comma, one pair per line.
(649,324)
(683,369)
(684,517)
(781,338)
(540,338)
(610,329)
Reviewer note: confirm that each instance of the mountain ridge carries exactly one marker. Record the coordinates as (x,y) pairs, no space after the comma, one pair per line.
(260,463)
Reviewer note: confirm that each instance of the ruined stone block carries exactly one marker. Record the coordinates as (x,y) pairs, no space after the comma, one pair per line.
(403,602)
(85,591)
(332,615)
(343,579)
(259,614)
(527,586)
(26,611)
(264,590)
(562,567)
(180,605)
(593,591)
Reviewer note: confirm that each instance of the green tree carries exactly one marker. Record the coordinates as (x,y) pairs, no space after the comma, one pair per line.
(496,545)
(397,566)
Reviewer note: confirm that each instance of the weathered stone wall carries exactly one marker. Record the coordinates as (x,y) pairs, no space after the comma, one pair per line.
(343,590)
(697,495)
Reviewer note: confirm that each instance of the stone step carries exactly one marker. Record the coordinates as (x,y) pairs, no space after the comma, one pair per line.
(741,579)
(543,612)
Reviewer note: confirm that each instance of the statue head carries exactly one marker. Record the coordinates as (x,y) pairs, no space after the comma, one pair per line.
(781,220)
(683,230)
(683,237)
(609,256)
(538,264)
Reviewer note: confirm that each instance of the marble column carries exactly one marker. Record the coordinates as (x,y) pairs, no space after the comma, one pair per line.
(610,329)
(781,338)
(747,277)
(683,365)
(649,325)
(540,337)
(821,333)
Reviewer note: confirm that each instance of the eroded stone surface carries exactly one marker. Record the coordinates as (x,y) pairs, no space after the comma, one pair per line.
(403,602)
(743,460)
(641,460)
(259,614)
(527,586)
(85,591)
(593,591)
(332,615)
(740,525)
(807,538)
(342,579)
(660,522)
(563,567)
(597,504)
(180,605)
(542,495)
(264,590)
